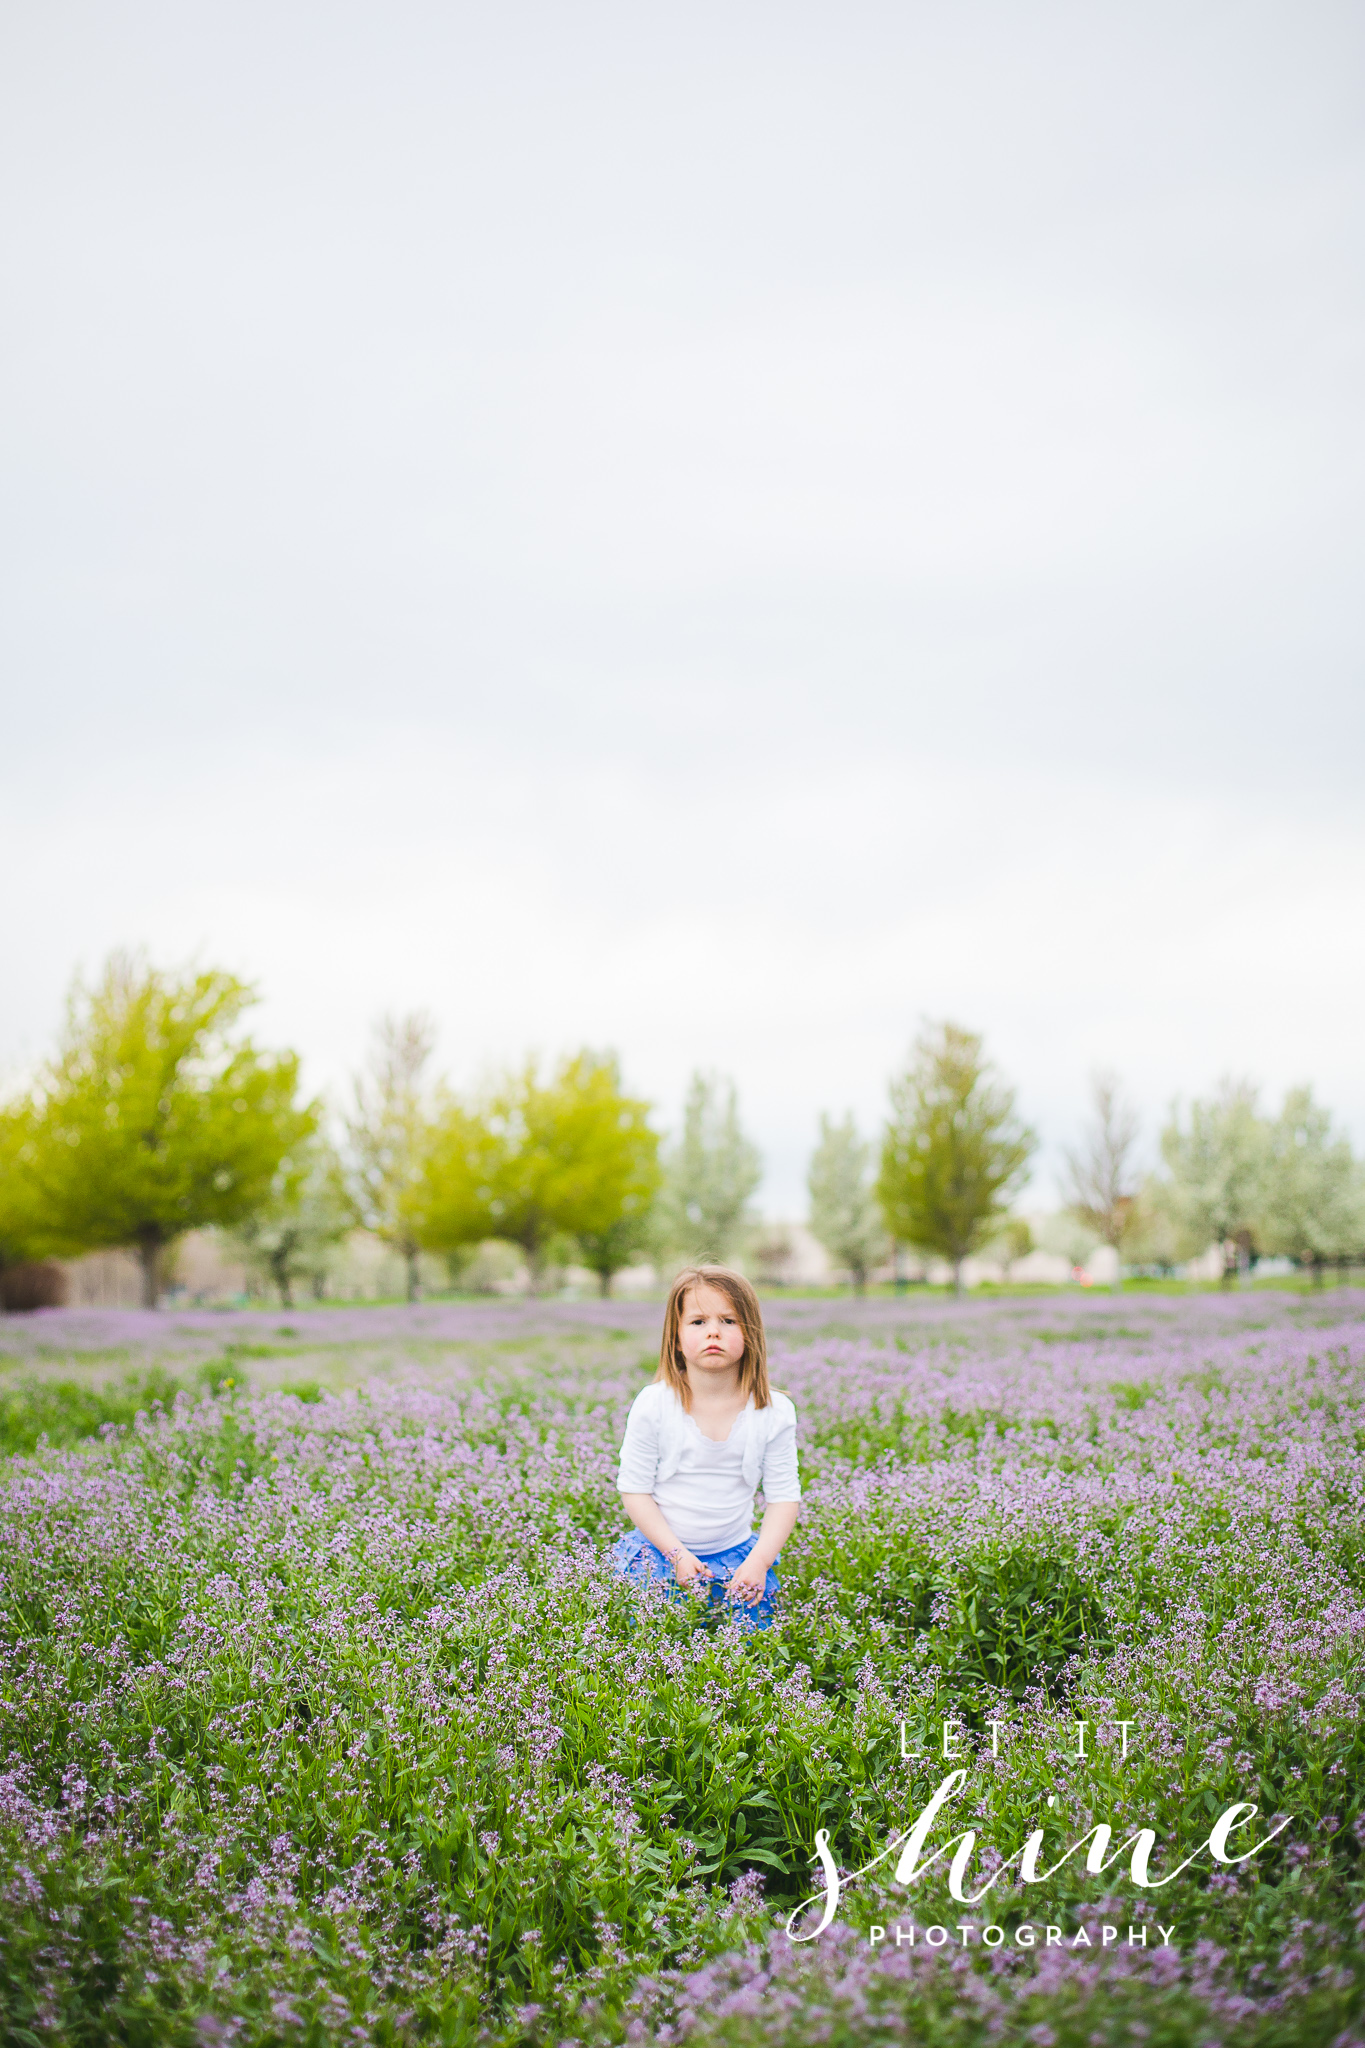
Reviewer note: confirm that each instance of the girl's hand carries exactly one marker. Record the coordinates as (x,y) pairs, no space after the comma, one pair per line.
(748,1583)
(686,1567)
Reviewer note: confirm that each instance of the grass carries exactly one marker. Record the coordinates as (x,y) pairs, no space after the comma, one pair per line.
(325,1721)
(58,1412)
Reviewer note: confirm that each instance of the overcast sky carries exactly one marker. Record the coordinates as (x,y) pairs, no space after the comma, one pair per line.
(717,530)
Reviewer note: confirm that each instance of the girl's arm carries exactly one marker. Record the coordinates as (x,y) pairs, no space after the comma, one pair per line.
(648,1518)
(639,1463)
(779,1519)
(782,1491)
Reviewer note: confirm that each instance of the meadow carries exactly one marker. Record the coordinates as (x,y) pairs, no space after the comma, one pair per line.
(323,1721)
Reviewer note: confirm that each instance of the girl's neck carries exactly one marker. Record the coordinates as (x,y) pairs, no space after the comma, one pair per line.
(716,1391)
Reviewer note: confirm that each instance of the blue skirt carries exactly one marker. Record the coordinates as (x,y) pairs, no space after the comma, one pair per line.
(638,1560)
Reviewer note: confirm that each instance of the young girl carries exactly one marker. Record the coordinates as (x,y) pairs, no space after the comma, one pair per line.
(699,1441)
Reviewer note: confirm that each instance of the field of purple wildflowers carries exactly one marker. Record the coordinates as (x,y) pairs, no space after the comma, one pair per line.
(322,1720)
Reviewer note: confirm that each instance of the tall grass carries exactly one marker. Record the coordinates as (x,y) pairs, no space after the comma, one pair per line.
(324,1720)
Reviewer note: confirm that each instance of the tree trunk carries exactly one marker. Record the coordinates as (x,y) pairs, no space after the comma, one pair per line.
(149,1253)
(414,1276)
(957,1278)
(283,1279)
(860,1280)
(1317,1270)
(604,1285)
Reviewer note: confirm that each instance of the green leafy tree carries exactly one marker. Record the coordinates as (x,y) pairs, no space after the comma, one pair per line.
(157,1116)
(710,1174)
(27,1240)
(388,1134)
(458,1203)
(844,1212)
(308,1215)
(1101,1178)
(1311,1205)
(22,1236)
(608,1198)
(535,1162)
(954,1149)
(1217,1173)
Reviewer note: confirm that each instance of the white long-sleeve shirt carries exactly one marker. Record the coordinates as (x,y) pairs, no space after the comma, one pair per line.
(705,1489)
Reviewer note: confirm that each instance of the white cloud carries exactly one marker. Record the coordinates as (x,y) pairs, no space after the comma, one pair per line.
(717,534)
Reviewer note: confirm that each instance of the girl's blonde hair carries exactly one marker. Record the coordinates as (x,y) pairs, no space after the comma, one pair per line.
(753,1365)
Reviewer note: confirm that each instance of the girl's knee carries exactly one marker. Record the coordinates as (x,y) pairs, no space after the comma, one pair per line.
(632,1558)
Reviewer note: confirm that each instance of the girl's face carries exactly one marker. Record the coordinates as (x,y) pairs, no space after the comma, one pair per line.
(709,1333)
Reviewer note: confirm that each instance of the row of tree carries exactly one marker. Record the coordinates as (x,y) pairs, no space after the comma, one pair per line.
(1255,1185)
(953,1152)
(158,1114)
